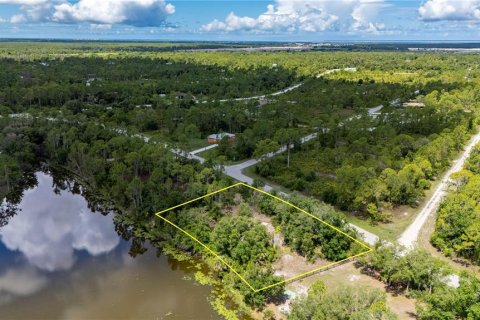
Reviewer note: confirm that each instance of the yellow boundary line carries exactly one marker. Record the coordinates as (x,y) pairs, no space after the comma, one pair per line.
(159,214)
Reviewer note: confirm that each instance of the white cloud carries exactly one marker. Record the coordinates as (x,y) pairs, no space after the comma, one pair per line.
(94,26)
(140,13)
(18,18)
(48,230)
(32,10)
(434,10)
(20,282)
(363,14)
(24,2)
(305,16)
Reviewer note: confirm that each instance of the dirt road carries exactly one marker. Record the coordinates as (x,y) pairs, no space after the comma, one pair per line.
(410,235)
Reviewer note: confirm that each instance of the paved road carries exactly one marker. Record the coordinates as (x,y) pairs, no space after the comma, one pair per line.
(295,86)
(204,149)
(186,154)
(235,171)
(410,235)
(368,237)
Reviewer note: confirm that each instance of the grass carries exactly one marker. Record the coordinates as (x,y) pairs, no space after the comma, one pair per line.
(403,216)
(390,231)
(349,275)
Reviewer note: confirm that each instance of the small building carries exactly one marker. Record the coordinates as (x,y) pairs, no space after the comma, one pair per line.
(216,137)
(181,95)
(414,104)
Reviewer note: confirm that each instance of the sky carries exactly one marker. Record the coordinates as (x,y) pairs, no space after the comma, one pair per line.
(243,20)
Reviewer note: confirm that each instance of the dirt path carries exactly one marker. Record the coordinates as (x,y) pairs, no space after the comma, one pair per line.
(410,235)
(424,242)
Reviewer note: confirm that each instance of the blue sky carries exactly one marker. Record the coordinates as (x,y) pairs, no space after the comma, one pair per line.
(276,20)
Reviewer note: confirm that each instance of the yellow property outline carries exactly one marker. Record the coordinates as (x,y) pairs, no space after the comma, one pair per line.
(159,214)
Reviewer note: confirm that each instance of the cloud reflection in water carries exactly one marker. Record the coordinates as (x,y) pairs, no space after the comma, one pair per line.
(50,228)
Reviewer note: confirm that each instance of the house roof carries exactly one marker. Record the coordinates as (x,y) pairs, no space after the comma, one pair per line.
(220,136)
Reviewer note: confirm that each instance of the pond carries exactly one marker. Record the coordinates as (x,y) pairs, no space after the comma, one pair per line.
(60,260)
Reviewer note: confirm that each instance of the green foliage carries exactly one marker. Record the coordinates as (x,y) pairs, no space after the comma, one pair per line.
(473,163)
(89,91)
(457,228)
(264,147)
(308,236)
(317,289)
(368,171)
(243,240)
(260,277)
(342,303)
(453,303)
(414,269)
(244,210)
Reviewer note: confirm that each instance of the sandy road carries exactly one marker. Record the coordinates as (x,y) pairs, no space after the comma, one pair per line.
(410,235)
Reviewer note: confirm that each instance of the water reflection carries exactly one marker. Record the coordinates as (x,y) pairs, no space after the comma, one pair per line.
(60,260)
(20,282)
(50,228)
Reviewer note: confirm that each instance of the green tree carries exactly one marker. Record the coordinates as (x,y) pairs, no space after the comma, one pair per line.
(264,147)
(343,303)
(289,138)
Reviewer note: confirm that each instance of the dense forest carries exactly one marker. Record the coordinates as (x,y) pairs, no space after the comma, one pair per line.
(389,164)
(80,110)
(457,229)
(103,82)
(137,179)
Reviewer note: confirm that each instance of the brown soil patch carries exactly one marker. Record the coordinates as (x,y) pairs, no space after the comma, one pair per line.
(290,263)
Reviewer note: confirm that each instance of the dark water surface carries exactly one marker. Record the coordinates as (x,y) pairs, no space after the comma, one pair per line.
(60,260)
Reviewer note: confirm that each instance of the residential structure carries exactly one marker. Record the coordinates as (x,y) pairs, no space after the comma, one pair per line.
(216,137)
